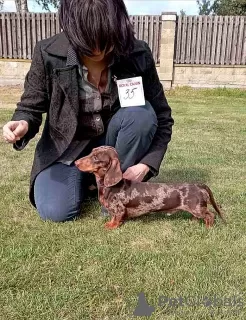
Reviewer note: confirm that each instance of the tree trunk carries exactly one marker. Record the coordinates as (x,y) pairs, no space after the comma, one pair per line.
(21,6)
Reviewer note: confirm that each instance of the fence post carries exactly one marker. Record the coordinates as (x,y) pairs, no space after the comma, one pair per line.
(167,48)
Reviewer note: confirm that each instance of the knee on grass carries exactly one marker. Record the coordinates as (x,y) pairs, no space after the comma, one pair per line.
(48,212)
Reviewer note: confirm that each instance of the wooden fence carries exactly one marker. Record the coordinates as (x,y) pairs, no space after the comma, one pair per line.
(148,28)
(20,32)
(215,40)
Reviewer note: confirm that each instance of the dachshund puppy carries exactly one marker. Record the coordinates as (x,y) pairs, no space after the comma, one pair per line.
(128,199)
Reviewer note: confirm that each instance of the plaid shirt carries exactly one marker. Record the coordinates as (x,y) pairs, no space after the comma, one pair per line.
(94,110)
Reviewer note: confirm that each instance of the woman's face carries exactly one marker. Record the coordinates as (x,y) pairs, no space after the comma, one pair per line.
(98,55)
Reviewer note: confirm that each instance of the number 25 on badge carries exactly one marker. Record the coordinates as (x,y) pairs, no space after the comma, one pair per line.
(131,92)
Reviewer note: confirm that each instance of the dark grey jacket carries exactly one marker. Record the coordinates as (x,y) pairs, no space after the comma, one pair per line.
(52,88)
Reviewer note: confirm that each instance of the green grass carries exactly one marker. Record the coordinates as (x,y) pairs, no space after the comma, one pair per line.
(78,270)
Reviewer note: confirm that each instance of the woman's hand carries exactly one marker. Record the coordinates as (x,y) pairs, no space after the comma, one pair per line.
(137,172)
(15,130)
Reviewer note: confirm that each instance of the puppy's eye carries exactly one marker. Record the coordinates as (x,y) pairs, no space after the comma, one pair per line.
(95,158)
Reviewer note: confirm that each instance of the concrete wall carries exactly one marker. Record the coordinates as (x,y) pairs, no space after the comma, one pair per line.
(198,76)
(12,72)
(206,76)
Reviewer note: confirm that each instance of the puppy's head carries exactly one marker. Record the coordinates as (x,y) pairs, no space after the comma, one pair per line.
(104,163)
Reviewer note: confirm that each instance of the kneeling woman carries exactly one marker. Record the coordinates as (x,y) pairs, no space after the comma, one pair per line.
(73,78)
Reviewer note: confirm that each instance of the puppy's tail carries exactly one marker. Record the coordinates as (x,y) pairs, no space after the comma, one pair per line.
(214,204)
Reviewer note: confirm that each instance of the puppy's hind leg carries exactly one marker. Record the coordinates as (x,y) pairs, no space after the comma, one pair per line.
(208,218)
(205,214)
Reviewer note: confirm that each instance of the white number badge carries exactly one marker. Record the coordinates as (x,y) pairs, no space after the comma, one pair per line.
(131,92)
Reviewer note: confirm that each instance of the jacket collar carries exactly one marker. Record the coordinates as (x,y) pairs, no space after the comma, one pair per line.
(72,59)
(59,46)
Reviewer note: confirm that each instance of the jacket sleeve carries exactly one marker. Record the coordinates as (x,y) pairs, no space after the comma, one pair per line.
(34,100)
(154,93)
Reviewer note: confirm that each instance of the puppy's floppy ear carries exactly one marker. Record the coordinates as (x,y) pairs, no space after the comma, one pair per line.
(114,174)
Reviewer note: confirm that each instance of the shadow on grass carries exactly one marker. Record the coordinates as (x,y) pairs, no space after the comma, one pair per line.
(178,216)
(90,208)
(155,216)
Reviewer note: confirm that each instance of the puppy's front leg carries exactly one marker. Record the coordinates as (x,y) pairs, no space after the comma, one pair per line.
(116,220)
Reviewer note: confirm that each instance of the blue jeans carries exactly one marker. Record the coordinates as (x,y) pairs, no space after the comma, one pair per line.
(60,190)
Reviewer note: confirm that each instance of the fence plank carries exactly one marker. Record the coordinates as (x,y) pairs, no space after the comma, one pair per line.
(24,35)
(188,41)
(132,20)
(33,31)
(243,61)
(199,36)
(9,37)
(141,28)
(1,30)
(156,39)
(204,39)
(159,39)
(178,41)
(29,36)
(214,43)
(58,30)
(135,25)
(224,40)
(19,37)
(240,41)
(209,40)
(146,29)
(52,24)
(1,36)
(14,34)
(219,40)
(47,22)
(38,27)
(4,36)
(229,40)
(234,40)
(184,34)
(193,41)
(151,35)
(43,27)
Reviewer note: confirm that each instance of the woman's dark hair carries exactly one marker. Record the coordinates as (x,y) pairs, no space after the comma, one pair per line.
(96,25)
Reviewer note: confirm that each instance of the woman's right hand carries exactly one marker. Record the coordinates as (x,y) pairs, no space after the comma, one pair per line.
(15,130)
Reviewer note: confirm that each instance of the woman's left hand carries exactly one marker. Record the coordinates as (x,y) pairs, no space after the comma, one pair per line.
(137,172)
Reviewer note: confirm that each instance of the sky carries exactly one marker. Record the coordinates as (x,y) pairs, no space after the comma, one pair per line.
(135,7)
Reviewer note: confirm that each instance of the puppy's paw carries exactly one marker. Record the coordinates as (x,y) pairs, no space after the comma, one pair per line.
(109,225)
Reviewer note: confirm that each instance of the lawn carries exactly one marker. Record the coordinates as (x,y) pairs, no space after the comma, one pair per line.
(79,270)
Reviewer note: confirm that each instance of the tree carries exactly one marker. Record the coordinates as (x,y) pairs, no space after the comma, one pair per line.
(21,6)
(182,12)
(230,8)
(205,6)
(46,3)
(222,7)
